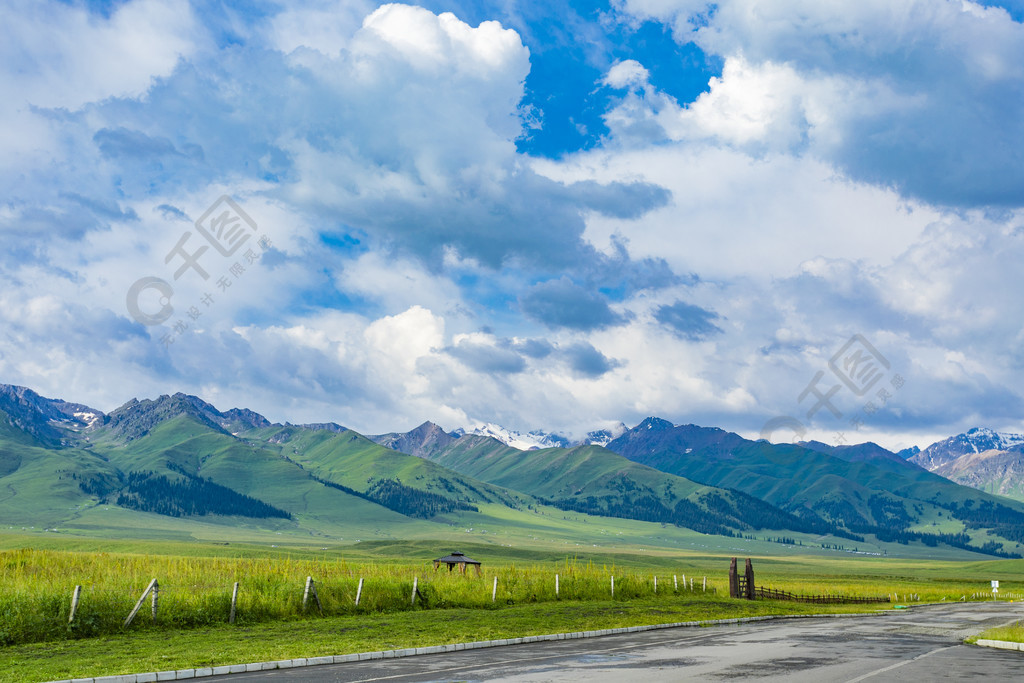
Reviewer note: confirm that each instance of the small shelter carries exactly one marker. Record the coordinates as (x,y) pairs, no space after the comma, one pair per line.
(454,559)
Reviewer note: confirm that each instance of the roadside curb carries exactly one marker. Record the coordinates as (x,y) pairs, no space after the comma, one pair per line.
(1000,644)
(186,674)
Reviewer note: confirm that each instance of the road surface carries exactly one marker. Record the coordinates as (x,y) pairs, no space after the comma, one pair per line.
(920,644)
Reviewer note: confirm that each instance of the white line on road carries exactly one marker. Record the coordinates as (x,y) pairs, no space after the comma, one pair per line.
(899,664)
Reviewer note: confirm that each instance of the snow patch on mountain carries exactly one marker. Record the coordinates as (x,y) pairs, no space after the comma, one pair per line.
(977,440)
(87,418)
(603,437)
(536,439)
(524,442)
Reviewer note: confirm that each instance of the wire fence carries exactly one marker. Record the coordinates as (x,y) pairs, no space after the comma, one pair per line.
(54,610)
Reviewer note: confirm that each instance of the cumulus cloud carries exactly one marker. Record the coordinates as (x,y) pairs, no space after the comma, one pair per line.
(563,303)
(734,215)
(688,321)
(60,55)
(487,357)
(323,26)
(423,268)
(586,361)
(625,74)
(922,95)
(533,348)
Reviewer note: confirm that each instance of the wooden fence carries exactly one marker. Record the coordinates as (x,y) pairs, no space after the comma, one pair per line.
(776,594)
(742,586)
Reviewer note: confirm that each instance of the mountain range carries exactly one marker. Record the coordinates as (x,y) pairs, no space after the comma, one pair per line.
(983,459)
(179,459)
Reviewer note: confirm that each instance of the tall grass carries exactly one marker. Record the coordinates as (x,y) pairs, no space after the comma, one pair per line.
(36,588)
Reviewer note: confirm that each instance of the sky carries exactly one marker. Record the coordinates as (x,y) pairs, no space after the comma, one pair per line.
(791,219)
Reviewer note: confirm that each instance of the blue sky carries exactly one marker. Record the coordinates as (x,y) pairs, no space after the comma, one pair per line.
(552,216)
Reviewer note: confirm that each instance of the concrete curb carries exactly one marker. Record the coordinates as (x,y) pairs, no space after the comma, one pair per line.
(185,674)
(1000,644)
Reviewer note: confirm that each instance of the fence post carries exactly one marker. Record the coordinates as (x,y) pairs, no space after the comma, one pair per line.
(74,603)
(691,583)
(311,588)
(155,594)
(494,590)
(359,591)
(138,605)
(675,583)
(705,589)
(613,587)
(556,585)
(415,581)
(655,584)
(234,603)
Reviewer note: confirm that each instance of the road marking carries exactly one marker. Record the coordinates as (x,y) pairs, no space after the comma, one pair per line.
(899,664)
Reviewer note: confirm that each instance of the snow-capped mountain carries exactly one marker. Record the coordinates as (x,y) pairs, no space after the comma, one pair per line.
(524,442)
(539,439)
(603,437)
(977,440)
(982,458)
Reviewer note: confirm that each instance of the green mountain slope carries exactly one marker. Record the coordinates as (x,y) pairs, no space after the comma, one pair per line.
(182,446)
(176,467)
(352,460)
(883,496)
(177,457)
(39,486)
(597,481)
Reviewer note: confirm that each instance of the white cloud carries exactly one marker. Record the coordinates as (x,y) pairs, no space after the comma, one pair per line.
(626,74)
(792,210)
(324,26)
(398,283)
(922,95)
(60,55)
(377,150)
(401,340)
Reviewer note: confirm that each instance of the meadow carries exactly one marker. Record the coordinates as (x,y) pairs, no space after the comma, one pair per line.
(35,595)
(195,585)
(196,590)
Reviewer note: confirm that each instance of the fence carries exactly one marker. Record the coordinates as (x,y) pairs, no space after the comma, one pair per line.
(39,600)
(776,594)
(743,587)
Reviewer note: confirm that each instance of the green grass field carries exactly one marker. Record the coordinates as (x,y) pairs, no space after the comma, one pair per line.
(155,650)
(38,572)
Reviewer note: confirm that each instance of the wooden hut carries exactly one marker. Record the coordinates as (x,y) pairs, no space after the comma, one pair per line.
(456,559)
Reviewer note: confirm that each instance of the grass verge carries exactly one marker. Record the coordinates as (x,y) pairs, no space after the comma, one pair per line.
(219,645)
(1013,633)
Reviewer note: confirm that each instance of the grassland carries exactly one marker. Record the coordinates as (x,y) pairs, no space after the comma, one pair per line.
(196,578)
(194,591)
(155,650)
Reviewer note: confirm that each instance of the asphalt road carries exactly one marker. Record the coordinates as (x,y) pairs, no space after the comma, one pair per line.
(920,644)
